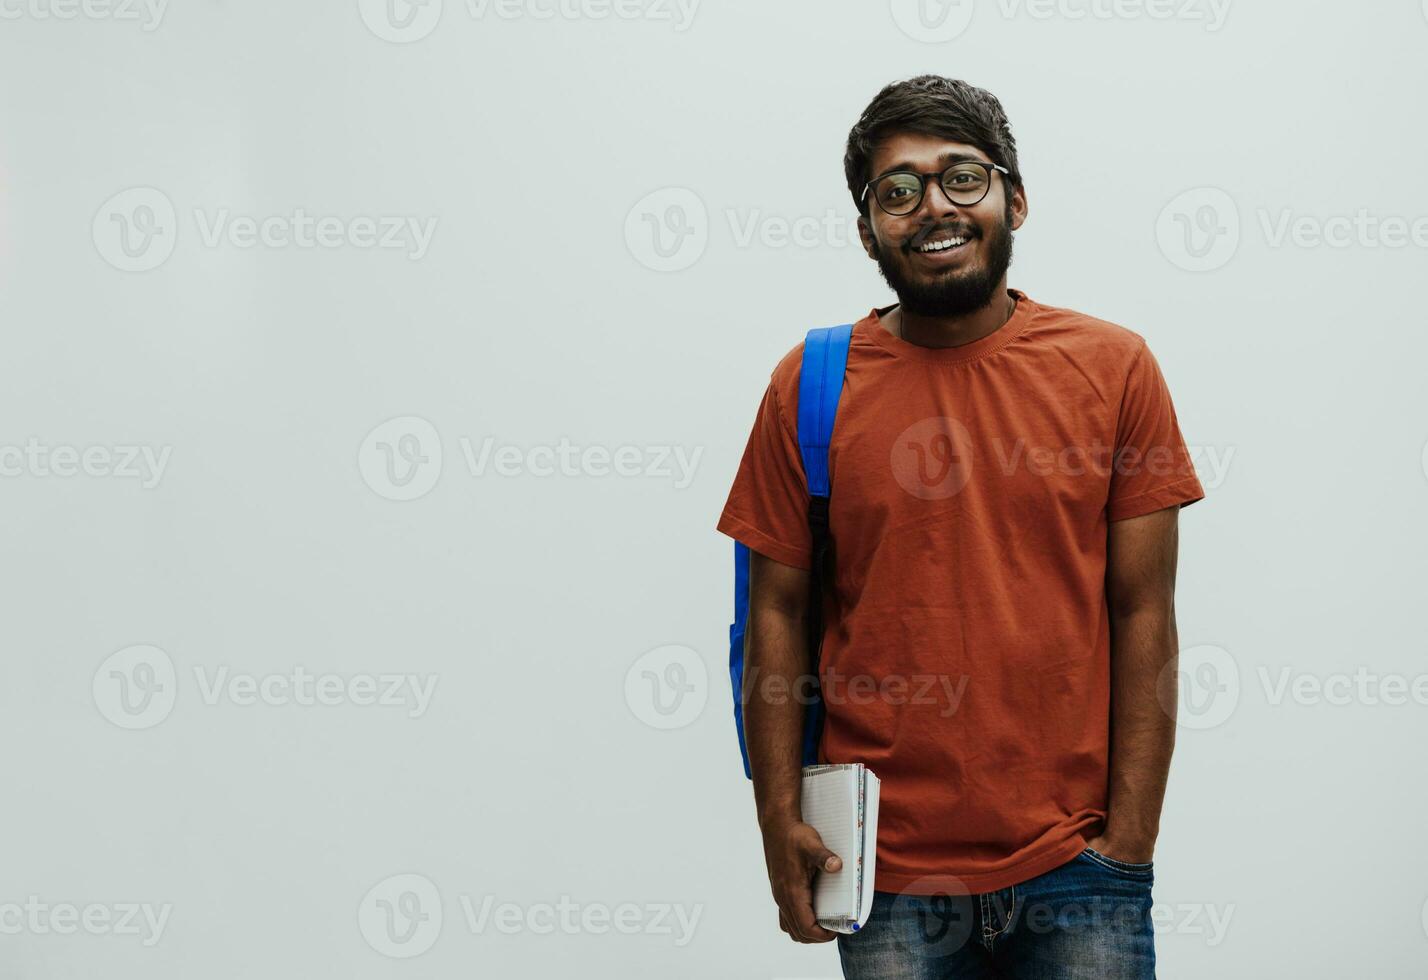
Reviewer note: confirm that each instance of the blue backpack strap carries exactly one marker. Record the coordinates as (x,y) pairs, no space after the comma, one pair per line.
(825,359)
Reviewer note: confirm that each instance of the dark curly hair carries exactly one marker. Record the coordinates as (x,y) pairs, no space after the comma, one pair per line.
(936,106)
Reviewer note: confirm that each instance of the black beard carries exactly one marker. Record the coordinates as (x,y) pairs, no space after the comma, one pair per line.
(954,293)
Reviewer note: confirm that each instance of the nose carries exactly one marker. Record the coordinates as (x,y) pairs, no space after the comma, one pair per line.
(935,202)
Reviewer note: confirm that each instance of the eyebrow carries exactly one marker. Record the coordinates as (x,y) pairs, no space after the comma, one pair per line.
(945,160)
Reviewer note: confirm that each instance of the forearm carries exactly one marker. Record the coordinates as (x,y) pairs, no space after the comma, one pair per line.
(1143,642)
(776,673)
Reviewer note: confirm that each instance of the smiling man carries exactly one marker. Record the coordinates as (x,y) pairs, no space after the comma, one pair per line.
(1005,482)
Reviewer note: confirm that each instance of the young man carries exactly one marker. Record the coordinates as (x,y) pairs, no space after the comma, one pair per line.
(999,619)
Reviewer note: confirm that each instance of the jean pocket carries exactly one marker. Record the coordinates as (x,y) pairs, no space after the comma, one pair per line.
(1141,872)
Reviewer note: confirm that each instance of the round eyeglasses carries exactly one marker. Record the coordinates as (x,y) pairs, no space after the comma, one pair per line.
(964,183)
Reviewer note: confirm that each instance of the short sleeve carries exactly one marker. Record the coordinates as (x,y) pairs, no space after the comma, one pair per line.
(1152,468)
(768,505)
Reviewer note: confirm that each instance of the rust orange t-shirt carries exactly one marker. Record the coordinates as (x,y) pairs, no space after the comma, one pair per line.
(966,652)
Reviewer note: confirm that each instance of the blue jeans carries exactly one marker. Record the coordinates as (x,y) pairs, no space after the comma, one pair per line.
(1086,920)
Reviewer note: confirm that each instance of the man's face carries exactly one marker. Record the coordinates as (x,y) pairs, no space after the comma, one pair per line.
(946,281)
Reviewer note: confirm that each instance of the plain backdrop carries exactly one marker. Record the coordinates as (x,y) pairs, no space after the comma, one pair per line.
(238,454)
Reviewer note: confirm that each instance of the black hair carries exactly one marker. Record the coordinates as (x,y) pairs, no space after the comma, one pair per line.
(935,106)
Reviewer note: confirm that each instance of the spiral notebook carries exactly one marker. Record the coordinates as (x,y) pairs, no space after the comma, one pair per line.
(841,802)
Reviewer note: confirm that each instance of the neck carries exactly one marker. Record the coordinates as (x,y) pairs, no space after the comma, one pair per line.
(939,332)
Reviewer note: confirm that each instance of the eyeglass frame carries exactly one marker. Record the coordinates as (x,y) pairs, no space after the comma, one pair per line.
(923,178)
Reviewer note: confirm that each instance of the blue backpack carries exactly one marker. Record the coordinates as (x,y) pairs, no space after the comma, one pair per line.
(825,359)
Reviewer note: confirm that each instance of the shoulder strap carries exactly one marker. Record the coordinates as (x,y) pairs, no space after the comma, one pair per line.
(825,359)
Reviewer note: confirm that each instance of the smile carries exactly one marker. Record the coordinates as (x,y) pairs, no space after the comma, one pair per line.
(941,245)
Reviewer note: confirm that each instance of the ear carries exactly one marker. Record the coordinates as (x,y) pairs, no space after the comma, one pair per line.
(1018,208)
(865,233)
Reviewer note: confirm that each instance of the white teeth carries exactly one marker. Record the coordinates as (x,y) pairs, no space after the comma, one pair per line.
(946,243)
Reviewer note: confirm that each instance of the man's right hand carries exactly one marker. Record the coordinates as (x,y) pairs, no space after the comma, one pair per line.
(794,851)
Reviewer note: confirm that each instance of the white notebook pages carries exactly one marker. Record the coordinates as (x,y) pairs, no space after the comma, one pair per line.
(841,802)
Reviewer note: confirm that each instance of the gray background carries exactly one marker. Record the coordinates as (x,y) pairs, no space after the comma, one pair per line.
(1161,155)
